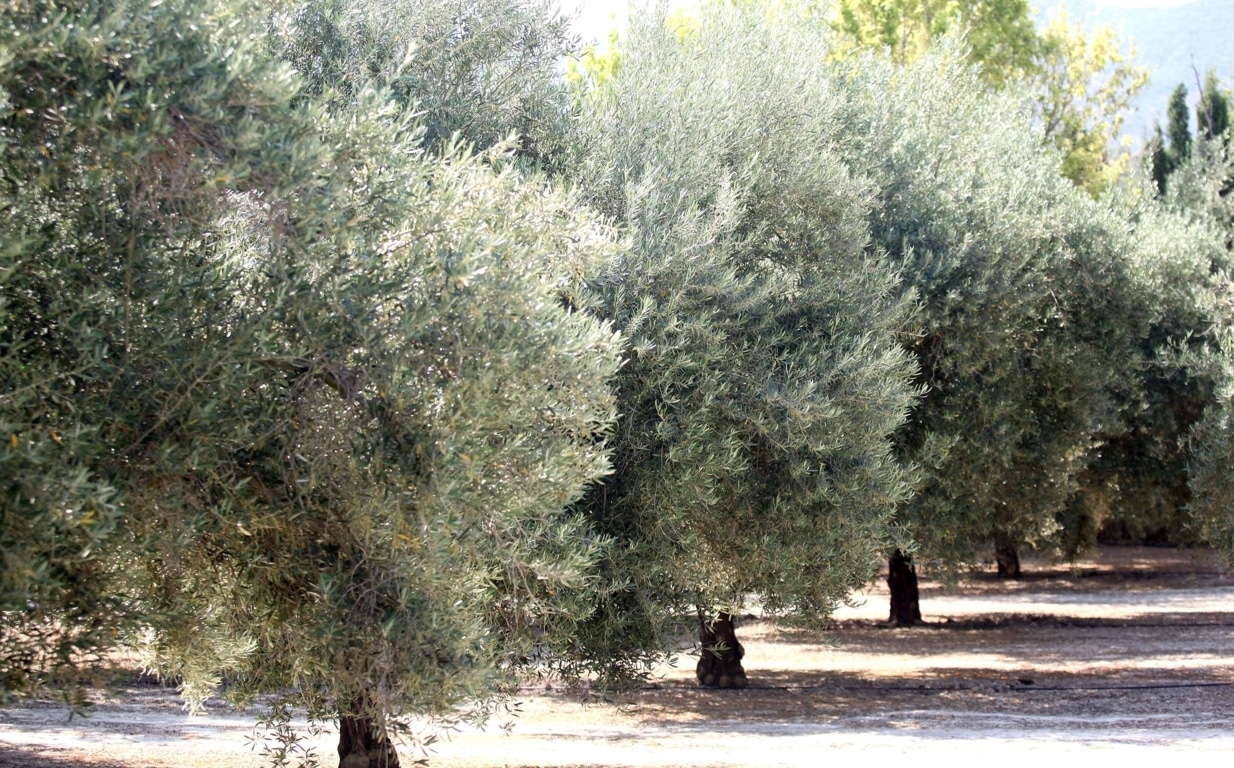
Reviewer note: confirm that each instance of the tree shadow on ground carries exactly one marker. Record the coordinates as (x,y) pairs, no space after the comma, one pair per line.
(1028,620)
(51,757)
(847,631)
(851,700)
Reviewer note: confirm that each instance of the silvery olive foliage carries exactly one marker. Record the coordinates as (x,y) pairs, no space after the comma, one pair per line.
(475,70)
(1212,465)
(765,373)
(1030,308)
(1200,188)
(285,399)
(309,383)
(1136,487)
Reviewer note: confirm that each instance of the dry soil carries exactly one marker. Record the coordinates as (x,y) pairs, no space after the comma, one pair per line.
(1126,656)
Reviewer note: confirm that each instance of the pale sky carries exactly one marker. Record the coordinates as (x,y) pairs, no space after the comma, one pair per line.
(1141,3)
(594,17)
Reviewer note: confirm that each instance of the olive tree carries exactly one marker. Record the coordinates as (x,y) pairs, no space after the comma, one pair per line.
(1136,486)
(284,398)
(1199,188)
(1213,463)
(752,454)
(1027,309)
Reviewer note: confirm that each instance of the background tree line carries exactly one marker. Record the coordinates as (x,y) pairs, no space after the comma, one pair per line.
(354,353)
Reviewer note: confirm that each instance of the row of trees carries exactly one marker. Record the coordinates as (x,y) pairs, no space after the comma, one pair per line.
(313,379)
(1171,149)
(1195,175)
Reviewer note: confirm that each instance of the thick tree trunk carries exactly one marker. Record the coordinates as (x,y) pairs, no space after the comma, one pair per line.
(719,663)
(361,742)
(1006,556)
(902,583)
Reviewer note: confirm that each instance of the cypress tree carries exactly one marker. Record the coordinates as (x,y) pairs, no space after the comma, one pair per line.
(1160,160)
(1179,125)
(1212,111)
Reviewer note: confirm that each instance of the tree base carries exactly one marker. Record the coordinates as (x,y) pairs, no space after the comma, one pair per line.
(902,584)
(361,744)
(1007,557)
(719,663)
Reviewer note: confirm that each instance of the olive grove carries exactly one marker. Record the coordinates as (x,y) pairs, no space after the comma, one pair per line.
(360,359)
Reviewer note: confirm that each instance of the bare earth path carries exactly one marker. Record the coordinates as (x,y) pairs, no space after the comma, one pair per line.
(1128,655)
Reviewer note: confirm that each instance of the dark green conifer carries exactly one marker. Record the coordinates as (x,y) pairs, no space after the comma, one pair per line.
(1179,125)
(1212,111)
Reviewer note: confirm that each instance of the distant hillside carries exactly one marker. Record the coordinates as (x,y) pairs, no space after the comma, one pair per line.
(1170,41)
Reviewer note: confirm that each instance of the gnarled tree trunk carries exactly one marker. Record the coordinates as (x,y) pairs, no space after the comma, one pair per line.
(1006,556)
(719,663)
(362,742)
(902,583)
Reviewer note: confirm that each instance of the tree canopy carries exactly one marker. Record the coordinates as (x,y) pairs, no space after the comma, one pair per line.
(1029,304)
(285,397)
(1200,190)
(1213,462)
(482,70)
(1082,86)
(1000,33)
(765,377)
(354,355)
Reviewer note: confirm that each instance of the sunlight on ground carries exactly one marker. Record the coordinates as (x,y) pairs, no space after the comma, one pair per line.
(1075,666)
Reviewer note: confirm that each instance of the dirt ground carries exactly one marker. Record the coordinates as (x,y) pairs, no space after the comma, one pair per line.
(1127,655)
